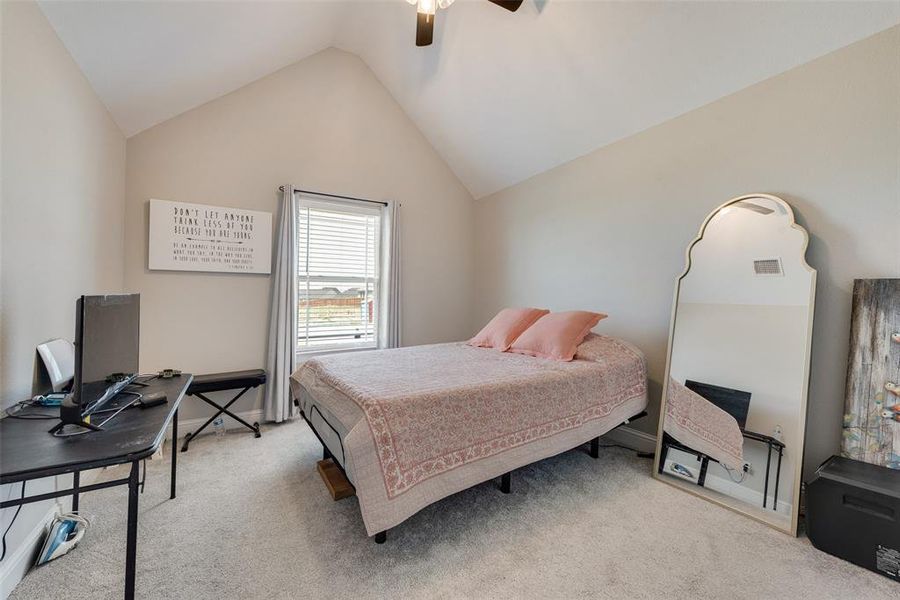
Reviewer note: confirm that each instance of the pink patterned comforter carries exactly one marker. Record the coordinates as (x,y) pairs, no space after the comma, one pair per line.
(438,419)
(702,426)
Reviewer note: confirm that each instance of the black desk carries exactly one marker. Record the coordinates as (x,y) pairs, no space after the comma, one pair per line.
(28,452)
(772,444)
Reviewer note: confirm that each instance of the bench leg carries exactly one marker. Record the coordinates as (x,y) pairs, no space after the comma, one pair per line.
(506,483)
(224,409)
(220,410)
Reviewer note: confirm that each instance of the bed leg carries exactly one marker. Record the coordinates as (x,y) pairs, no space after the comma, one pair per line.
(381,537)
(506,483)
(595,447)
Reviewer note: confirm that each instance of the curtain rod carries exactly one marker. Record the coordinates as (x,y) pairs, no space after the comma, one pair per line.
(281,188)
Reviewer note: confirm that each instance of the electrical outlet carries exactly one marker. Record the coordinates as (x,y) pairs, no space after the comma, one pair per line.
(778,433)
(748,468)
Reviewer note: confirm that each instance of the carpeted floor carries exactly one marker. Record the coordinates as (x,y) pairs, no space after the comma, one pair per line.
(253,520)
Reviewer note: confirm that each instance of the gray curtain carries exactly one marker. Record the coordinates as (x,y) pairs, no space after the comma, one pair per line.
(389,333)
(280,361)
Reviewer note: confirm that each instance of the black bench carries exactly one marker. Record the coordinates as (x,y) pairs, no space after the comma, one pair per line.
(217,382)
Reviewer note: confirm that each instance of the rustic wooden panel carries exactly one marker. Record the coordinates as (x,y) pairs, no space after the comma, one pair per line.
(872,413)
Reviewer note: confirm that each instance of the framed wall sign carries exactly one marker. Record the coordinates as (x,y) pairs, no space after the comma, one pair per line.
(198,237)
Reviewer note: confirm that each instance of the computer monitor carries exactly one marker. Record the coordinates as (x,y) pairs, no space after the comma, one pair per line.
(107,339)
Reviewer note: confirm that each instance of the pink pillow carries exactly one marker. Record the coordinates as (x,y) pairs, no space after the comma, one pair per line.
(506,327)
(557,335)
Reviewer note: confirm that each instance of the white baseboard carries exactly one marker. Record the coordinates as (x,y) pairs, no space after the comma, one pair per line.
(17,564)
(633,438)
(751,497)
(21,558)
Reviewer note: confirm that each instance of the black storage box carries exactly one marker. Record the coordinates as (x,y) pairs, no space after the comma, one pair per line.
(853,512)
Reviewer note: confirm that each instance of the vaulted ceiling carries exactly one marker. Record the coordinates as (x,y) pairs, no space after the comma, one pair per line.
(501,96)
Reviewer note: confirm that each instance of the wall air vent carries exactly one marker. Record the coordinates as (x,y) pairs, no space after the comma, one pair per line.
(768,267)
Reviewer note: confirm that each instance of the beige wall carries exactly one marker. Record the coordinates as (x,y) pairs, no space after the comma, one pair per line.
(63,188)
(326,124)
(608,231)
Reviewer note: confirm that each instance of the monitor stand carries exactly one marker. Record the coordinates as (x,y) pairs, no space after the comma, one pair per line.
(71,415)
(58,428)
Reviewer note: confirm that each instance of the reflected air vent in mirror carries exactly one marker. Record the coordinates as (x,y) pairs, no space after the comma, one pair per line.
(767,266)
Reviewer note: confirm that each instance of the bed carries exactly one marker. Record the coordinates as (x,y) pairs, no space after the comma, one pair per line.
(410,426)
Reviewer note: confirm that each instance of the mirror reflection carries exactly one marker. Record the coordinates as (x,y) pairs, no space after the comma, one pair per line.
(735,399)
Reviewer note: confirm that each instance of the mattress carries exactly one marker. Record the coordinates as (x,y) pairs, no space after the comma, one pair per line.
(413,425)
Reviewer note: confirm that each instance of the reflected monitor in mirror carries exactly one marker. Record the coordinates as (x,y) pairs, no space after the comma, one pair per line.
(735,402)
(742,318)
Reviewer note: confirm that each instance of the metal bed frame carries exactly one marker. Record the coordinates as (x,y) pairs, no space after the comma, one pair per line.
(505,479)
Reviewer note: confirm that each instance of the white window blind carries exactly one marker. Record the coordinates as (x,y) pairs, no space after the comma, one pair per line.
(338,248)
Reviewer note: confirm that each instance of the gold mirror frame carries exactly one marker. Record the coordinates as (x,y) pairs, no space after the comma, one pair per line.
(736,505)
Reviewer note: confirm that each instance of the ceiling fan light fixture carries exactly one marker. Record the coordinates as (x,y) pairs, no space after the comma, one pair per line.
(429,7)
(426,7)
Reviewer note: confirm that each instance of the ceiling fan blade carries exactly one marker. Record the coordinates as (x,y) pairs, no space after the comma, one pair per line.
(424,29)
(510,5)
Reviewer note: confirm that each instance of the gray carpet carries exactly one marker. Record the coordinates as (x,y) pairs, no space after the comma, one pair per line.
(253,520)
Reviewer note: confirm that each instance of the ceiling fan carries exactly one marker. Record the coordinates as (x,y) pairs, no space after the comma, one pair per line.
(425,10)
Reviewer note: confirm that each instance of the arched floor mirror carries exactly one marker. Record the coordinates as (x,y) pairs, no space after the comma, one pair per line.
(734,398)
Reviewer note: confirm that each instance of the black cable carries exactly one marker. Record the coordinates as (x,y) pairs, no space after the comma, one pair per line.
(15,412)
(34,417)
(8,527)
(616,446)
(638,452)
(731,477)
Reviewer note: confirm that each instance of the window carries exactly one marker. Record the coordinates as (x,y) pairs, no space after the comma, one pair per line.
(338,251)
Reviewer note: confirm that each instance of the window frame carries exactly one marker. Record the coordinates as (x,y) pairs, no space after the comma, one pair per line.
(305,202)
